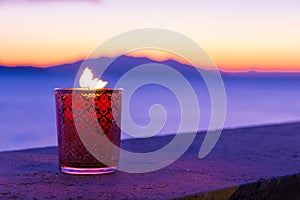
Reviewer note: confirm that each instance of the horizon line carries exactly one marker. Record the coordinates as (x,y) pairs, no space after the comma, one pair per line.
(221,69)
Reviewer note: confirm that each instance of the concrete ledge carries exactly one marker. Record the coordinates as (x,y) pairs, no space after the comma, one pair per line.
(247,163)
(286,187)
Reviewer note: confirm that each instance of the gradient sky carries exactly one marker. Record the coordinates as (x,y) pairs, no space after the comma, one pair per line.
(237,34)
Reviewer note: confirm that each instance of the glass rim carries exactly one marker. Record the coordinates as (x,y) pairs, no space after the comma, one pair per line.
(88,90)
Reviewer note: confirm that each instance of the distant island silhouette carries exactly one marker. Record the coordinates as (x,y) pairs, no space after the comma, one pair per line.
(124,63)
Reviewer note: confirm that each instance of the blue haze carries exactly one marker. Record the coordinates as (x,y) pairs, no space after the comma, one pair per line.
(27,110)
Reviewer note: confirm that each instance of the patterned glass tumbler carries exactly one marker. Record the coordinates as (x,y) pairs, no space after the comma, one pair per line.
(88,129)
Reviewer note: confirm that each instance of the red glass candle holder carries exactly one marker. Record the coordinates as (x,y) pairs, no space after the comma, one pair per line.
(82,116)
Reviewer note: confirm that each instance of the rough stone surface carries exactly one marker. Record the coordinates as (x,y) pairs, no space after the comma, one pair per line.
(247,163)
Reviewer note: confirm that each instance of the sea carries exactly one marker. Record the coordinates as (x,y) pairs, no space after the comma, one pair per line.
(28,118)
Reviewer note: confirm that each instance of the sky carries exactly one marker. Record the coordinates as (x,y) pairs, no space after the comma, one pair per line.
(236,34)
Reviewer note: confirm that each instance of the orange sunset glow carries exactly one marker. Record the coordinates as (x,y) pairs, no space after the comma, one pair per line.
(237,35)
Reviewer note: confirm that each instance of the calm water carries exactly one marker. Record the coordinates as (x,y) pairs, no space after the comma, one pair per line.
(27,113)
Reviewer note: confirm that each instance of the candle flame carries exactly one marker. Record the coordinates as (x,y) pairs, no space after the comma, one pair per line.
(87,80)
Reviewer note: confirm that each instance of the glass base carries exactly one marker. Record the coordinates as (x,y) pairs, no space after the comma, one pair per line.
(87,171)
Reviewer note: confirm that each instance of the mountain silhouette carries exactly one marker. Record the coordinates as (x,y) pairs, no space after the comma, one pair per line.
(123,64)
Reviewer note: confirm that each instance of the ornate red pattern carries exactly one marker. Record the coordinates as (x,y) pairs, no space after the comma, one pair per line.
(90,111)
